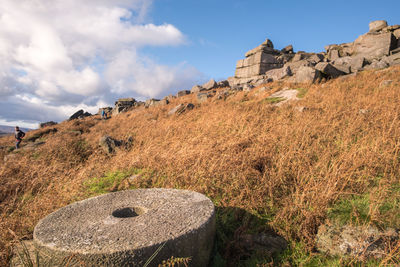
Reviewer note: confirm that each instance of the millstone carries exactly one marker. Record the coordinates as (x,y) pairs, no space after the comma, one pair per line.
(126,228)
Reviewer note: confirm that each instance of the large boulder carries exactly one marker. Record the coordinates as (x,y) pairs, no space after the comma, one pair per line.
(183,93)
(181,108)
(278,74)
(306,74)
(329,70)
(374,45)
(211,84)
(151,102)
(377,25)
(79,115)
(196,89)
(288,49)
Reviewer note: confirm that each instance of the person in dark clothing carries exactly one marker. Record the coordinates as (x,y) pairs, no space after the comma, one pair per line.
(18,136)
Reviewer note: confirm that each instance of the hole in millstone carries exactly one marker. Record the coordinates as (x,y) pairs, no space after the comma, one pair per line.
(128,212)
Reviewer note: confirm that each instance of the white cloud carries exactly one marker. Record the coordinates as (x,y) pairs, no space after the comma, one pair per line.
(73,54)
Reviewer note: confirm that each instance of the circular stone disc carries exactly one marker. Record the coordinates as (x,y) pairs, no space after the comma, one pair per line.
(126,221)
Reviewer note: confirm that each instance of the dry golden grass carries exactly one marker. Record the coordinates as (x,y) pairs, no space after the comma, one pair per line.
(275,163)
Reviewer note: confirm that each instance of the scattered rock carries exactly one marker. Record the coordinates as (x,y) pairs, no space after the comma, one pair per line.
(202,97)
(223,83)
(151,102)
(183,93)
(286,95)
(355,241)
(47,124)
(79,115)
(196,89)
(288,49)
(386,83)
(109,144)
(211,84)
(179,109)
(363,111)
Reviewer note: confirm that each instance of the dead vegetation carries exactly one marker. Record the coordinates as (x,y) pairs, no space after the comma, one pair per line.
(283,167)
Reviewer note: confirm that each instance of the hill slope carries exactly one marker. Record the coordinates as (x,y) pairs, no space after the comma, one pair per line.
(265,167)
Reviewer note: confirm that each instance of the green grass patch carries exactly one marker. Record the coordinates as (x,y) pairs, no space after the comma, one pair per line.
(274,100)
(301,92)
(297,255)
(354,209)
(109,182)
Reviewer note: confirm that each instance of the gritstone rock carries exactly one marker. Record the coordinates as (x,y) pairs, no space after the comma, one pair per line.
(377,25)
(356,241)
(46,124)
(211,84)
(109,144)
(197,89)
(79,115)
(183,93)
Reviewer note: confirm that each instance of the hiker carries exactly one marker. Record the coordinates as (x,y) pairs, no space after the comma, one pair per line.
(18,136)
(103,114)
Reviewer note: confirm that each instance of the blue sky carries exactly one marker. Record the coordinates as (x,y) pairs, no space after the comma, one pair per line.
(59,56)
(220,32)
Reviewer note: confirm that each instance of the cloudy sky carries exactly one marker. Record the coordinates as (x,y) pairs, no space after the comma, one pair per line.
(57,56)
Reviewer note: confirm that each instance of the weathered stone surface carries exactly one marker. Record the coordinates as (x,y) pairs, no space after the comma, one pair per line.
(109,144)
(162,102)
(328,69)
(46,124)
(287,49)
(183,93)
(223,83)
(286,95)
(151,102)
(306,74)
(79,114)
(294,66)
(179,109)
(377,25)
(258,58)
(356,241)
(123,105)
(211,84)
(394,59)
(267,46)
(202,97)
(196,89)
(396,33)
(373,45)
(298,57)
(333,55)
(278,74)
(316,58)
(126,228)
(343,68)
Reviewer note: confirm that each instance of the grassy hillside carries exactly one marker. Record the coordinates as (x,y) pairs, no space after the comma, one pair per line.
(264,167)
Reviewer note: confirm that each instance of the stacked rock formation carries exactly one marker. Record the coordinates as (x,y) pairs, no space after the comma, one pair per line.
(379,48)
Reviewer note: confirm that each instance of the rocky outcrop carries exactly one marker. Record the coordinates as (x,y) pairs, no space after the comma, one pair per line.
(79,115)
(123,105)
(378,48)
